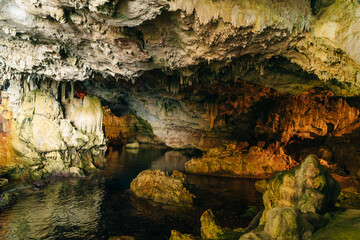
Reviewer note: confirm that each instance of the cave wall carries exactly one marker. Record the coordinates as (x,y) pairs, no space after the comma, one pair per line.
(46,130)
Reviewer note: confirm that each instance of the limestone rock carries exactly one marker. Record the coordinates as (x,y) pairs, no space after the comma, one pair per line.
(256,163)
(47,143)
(343,225)
(349,198)
(310,188)
(255,236)
(125,129)
(43,133)
(287,223)
(261,186)
(210,230)
(161,188)
(175,235)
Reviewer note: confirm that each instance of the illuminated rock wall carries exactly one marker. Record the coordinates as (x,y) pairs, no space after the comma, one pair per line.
(44,140)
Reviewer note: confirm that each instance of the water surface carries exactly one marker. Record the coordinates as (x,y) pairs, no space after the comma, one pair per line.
(101,205)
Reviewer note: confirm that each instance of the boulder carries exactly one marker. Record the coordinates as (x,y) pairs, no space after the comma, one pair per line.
(309,188)
(159,187)
(284,223)
(210,230)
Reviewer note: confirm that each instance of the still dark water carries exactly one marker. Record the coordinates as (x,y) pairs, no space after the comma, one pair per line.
(101,205)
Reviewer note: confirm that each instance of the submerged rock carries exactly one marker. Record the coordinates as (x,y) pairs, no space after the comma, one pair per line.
(159,187)
(256,163)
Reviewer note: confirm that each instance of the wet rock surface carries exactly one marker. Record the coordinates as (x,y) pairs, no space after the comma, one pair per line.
(50,136)
(159,187)
(296,202)
(210,230)
(309,188)
(343,225)
(254,163)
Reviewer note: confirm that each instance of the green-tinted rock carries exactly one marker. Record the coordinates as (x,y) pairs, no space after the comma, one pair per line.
(210,230)
(175,235)
(310,188)
(349,198)
(6,199)
(159,187)
(344,226)
(287,223)
(3,182)
(261,186)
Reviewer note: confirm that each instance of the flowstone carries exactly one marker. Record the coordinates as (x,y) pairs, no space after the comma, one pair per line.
(45,142)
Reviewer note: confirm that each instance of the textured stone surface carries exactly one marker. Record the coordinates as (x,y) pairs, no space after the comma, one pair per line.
(75,38)
(255,163)
(127,129)
(343,225)
(286,223)
(210,230)
(44,142)
(309,188)
(160,188)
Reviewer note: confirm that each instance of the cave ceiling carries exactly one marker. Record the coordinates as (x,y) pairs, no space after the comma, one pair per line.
(70,40)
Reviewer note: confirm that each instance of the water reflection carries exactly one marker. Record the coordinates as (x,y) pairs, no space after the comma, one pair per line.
(64,209)
(172,160)
(101,206)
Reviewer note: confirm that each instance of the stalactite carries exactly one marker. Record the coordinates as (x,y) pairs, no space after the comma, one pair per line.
(72,91)
(26,85)
(89,117)
(213,112)
(63,92)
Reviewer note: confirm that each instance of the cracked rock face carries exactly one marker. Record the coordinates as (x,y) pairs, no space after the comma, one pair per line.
(72,39)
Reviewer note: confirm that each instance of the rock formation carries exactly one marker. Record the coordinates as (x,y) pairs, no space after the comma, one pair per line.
(158,187)
(44,139)
(293,201)
(209,230)
(254,163)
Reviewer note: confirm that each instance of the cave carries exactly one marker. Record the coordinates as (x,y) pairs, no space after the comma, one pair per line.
(179,119)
